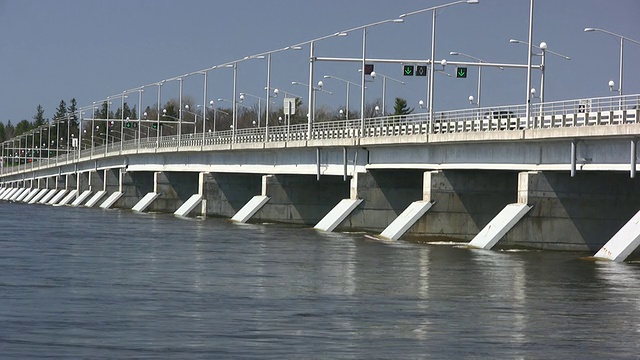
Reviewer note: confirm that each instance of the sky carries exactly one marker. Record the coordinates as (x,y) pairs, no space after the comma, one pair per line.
(93,49)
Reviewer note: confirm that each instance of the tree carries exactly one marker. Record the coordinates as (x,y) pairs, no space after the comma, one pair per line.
(60,117)
(73,108)
(3,134)
(401,107)
(10,130)
(38,118)
(61,111)
(22,127)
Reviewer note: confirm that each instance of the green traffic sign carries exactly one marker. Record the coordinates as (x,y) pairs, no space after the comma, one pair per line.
(407,70)
(461,72)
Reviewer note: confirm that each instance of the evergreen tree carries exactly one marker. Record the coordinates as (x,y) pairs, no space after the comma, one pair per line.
(38,118)
(3,134)
(401,107)
(22,127)
(10,130)
(60,119)
(72,109)
(61,112)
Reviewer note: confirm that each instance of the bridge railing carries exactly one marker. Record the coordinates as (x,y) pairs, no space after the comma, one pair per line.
(614,110)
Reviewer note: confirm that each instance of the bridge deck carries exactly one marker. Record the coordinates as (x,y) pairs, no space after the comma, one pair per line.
(446,126)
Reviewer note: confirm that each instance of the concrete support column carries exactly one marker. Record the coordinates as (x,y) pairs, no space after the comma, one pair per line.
(573,213)
(83,181)
(464,201)
(224,194)
(174,188)
(71,181)
(386,194)
(203,204)
(134,186)
(96,180)
(111,180)
(300,199)
(60,181)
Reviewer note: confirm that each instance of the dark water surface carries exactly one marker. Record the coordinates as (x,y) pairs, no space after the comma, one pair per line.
(94,284)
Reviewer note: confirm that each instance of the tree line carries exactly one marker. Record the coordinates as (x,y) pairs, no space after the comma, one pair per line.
(63,113)
(191,117)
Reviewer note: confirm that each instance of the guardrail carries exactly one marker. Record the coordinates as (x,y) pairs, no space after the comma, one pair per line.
(604,111)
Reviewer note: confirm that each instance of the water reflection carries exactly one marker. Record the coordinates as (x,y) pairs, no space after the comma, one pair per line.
(503,281)
(86,284)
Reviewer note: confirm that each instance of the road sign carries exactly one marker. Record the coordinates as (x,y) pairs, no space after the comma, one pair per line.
(289,106)
(461,72)
(407,70)
(421,70)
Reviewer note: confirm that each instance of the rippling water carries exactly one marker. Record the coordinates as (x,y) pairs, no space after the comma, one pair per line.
(87,283)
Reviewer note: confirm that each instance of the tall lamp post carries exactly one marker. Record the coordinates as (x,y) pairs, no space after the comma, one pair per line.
(211,105)
(544,51)
(433,47)
(234,123)
(195,117)
(314,89)
(375,74)
(622,39)
(349,83)
(364,29)
(268,87)
(204,93)
(179,119)
(242,96)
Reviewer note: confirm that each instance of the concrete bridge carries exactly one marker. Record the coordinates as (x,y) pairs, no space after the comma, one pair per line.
(564,179)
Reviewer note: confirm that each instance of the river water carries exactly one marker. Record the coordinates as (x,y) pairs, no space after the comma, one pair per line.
(78,283)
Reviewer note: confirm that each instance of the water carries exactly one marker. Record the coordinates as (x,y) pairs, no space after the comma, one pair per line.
(88,283)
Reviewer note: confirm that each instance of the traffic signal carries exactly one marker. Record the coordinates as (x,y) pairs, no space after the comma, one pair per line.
(154,125)
(127,125)
(461,72)
(421,70)
(407,70)
(368,69)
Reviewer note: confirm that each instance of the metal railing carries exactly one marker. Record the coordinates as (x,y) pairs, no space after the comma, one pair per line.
(605,111)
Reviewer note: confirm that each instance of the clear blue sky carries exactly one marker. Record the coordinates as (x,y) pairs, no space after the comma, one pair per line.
(91,49)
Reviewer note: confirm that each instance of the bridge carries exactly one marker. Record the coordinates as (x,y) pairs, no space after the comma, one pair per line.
(561,178)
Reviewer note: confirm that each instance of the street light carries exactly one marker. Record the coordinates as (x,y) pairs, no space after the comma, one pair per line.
(479,74)
(268,87)
(384,88)
(234,65)
(544,50)
(235,104)
(287,94)
(433,47)
(179,119)
(622,39)
(242,96)
(312,59)
(348,88)
(364,29)
(195,118)
(314,89)
(211,105)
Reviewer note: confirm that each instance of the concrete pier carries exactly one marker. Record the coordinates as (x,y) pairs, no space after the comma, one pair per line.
(300,199)
(573,213)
